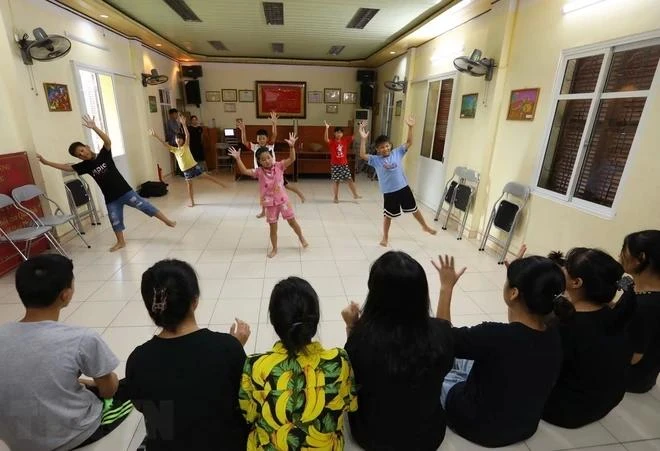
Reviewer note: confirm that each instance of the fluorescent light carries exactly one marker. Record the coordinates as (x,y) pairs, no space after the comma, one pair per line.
(159,45)
(104,16)
(574,5)
(392,53)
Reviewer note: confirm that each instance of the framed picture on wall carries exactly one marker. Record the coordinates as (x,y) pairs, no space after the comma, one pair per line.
(332,95)
(288,98)
(229,95)
(469,106)
(153,106)
(397,107)
(57,97)
(348,97)
(213,96)
(230,107)
(246,95)
(522,105)
(332,109)
(315,97)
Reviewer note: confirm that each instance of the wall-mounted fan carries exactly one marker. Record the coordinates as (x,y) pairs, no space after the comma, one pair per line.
(43,47)
(475,65)
(153,78)
(396,85)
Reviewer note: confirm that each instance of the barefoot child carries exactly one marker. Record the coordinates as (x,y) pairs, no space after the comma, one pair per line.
(397,195)
(271,187)
(185,160)
(263,141)
(116,191)
(339,170)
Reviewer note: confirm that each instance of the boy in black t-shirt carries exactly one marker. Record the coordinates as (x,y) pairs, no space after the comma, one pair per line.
(116,191)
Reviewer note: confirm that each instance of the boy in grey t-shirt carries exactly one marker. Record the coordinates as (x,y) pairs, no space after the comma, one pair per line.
(43,403)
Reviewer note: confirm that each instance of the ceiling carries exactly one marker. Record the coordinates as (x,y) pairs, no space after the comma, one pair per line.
(310,28)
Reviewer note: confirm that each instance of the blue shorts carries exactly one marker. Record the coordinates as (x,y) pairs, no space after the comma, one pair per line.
(193,172)
(132,199)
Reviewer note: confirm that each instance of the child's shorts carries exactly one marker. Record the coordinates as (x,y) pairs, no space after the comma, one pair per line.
(402,200)
(273,212)
(193,172)
(340,173)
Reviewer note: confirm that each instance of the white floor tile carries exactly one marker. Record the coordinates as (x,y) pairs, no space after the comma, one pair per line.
(549,437)
(122,340)
(635,418)
(95,314)
(227,309)
(647,445)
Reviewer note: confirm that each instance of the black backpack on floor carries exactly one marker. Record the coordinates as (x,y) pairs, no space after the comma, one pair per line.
(153,189)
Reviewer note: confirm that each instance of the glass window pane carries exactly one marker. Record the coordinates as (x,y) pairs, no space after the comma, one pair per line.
(608,149)
(442,120)
(633,70)
(563,144)
(112,125)
(581,74)
(429,118)
(92,99)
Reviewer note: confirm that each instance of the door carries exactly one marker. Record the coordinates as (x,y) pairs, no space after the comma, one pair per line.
(431,171)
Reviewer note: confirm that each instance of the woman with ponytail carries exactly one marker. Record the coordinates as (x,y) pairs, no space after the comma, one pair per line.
(596,352)
(185,379)
(504,372)
(295,395)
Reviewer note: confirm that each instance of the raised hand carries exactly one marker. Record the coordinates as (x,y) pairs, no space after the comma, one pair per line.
(241,331)
(41,159)
(240,124)
(351,314)
(88,121)
(182,119)
(326,124)
(364,134)
(447,271)
(520,254)
(274,116)
(292,140)
(410,120)
(234,152)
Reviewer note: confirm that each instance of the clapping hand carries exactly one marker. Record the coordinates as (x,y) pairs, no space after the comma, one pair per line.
(292,140)
(447,271)
(241,331)
(234,152)
(351,314)
(88,121)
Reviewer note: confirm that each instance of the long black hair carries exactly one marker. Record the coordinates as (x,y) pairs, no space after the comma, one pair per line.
(395,322)
(169,288)
(645,247)
(294,312)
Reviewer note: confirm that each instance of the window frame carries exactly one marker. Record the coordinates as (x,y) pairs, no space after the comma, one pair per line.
(607,49)
(452,75)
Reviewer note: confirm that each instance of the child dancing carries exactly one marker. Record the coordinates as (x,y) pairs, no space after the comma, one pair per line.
(273,196)
(339,170)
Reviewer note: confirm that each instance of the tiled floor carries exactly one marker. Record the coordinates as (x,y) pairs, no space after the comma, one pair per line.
(227,245)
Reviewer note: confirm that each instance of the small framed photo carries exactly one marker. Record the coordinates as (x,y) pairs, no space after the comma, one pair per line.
(246,95)
(397,107)
(229,95)
(230,107)
(213,96)
(348,97)
(332,95)
(57,97)
(314,97)
(332,108)
(469,106)
(522,105)
(153,106)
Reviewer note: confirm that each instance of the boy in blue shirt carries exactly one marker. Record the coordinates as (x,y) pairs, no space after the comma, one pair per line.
(397,195)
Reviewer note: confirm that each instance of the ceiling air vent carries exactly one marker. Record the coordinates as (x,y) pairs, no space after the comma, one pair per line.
(218,45)
(182,9)
(362,18)
(274,12)
(336,49)
(277,47)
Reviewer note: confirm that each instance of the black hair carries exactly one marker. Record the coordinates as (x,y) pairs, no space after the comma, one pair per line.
(645,247)
(172,110)
(193,116)
(395,325)
(294,313)
(599,272)
(262,132)
(382,139)
(73,147)
(41,279)
(260,151)
(169,288)
(339,129)
(540,283)
(181,136)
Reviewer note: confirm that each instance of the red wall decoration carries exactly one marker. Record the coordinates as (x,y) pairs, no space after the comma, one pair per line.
(288,98)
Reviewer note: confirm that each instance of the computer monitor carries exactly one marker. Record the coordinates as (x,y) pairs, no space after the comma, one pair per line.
(229,132)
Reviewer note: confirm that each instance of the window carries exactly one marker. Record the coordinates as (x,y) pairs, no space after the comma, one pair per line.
(98,95)
(436,119)
(596,114)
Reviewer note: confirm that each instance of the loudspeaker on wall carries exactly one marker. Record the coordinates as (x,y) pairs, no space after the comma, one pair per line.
(366,95)
(193,94)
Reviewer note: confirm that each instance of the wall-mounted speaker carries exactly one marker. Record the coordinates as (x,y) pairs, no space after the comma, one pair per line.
(193,94)
(191,71)
(366,95)
(366,76)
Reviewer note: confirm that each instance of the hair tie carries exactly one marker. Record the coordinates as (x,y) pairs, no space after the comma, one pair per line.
(159,306)
(559,299)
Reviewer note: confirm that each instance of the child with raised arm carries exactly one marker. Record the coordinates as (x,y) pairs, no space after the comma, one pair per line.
(397,195)
(263,141)
(184,158)
(116,191)
(271,187)
(339,147)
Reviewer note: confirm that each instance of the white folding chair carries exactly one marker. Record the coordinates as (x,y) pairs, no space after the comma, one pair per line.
(459,193)
(26,234)
(27,192)
(505,215)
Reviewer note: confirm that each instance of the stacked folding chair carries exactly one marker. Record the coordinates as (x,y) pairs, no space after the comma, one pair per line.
(81,203)
(459,193)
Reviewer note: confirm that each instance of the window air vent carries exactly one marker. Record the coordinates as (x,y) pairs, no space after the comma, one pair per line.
(336,49)
(274,12)
(362,17)
(277,47)
(218,45)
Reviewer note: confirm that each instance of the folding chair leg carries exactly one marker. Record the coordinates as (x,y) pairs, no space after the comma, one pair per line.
(80,235)
(58,247)
(461,228)
(484,239)
(442,202)
(17,249)
(508,241)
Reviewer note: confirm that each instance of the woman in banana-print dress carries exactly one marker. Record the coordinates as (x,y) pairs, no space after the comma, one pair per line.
(294,396)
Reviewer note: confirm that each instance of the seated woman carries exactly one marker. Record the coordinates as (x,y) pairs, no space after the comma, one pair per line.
(400,356)
(295,396)
(185,379)
(496,396)
(640,257)
(596,352)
